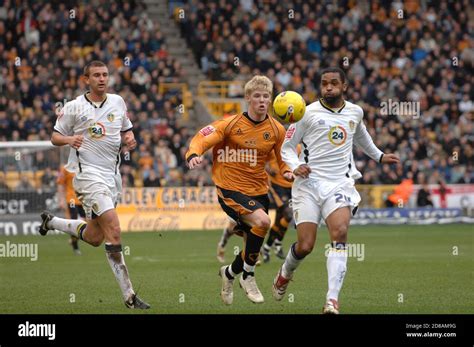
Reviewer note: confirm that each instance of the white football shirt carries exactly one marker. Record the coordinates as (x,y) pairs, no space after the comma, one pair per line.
(99,155)
(327,137)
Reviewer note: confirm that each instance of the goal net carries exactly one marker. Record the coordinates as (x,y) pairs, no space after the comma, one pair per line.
(28,184)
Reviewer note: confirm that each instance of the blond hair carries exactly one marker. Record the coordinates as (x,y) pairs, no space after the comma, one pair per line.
(258,82)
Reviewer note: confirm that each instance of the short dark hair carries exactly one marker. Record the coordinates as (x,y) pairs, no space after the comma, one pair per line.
(338,70)
(94,63)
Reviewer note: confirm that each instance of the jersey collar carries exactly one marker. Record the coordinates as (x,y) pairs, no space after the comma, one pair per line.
(254,121)
(333,110)
(90,102)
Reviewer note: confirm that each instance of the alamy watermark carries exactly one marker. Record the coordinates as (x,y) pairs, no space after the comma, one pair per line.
(241,155)
(400,108)
(37,330)
(351,250)
(19,250)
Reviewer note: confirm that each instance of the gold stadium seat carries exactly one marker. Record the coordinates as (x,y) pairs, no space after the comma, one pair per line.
(12,179)
(37,178)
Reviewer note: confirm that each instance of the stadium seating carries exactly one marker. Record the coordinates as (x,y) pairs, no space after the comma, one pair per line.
(428,58)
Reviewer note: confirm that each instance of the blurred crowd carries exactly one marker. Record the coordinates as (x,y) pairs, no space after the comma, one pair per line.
(44,46)
(417,51)
(421,52)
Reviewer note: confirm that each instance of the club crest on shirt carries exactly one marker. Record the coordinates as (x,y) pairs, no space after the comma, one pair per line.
(266,136)
(352,125)
(110,117)
(96,130)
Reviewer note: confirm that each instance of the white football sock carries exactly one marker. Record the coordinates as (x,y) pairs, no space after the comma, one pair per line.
(117,263)
(336,266)
(249,268)
(68,226)
(291,263)
(229,268)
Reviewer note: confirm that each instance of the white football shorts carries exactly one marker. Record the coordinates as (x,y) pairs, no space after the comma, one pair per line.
(313,201)
(96,196)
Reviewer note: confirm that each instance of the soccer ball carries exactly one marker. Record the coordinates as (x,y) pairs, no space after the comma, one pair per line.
(289,107)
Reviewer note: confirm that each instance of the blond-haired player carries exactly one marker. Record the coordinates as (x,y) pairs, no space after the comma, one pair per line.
(241,146)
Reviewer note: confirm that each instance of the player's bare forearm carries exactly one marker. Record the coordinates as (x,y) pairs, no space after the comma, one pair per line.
(389,158)
(195,152)
(303,170)
(128,138)
(289,176)
(61,140)
(194,161)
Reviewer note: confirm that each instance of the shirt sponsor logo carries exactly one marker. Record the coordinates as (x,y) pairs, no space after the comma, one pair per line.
(251,143)
(206,131)
(96,130)
(337,135)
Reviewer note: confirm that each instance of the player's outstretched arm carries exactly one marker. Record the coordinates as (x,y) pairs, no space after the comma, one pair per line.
(74,141)
(363,139)
(285,170)
(128,138)
(207,137)
(289,152)
(389,158)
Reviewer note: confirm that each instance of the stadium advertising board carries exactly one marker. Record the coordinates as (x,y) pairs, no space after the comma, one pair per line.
(170,208)
(191,208)
(20,203)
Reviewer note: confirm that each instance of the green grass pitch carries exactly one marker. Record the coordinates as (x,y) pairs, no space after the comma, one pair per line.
(406,269)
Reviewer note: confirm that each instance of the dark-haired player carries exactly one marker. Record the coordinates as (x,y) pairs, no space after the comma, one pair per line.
(324,185)
(95,125)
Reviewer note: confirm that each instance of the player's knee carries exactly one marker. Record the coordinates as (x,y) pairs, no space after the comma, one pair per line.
(114,230)
(305,248)
(340,231)
(96,242)
(114,238)
(263,222)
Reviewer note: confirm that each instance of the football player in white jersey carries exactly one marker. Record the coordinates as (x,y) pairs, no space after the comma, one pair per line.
(95,125)
(324,185)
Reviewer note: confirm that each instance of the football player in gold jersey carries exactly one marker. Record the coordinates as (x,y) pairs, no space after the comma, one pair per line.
(241,146)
